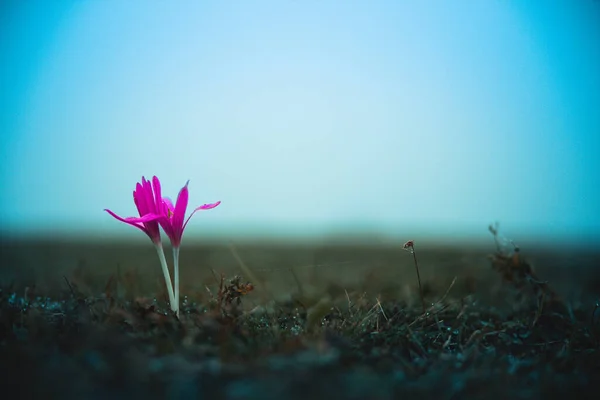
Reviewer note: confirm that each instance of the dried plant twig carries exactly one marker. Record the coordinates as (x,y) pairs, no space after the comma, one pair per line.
(410,246)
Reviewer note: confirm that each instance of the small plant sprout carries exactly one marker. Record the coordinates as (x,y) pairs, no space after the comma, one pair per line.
(173,223)
(148,200)
(410,246)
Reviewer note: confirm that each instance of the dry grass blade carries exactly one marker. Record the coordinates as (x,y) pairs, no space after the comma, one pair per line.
(433,306)
(249,274)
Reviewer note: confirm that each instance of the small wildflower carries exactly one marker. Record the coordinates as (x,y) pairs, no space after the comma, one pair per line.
(172,222)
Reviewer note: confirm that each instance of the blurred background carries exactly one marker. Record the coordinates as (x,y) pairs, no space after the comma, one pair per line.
(391,120)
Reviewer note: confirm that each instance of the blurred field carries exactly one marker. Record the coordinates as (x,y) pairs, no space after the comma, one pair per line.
(344,312)
(286,269)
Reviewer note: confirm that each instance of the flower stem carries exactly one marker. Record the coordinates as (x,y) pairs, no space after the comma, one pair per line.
(176,269)
(165,269)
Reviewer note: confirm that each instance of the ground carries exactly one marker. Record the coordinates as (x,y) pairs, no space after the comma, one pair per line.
(299,321)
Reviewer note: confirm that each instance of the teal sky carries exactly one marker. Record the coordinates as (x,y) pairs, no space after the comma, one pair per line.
(304,117)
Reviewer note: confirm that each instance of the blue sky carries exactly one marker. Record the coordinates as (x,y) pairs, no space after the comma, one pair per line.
(405,118)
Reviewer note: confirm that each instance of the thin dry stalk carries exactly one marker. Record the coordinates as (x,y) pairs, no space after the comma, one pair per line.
(411,245)
(300,287)
(248,272)
(381,308)
(350,304)
(538,314)
(433,306)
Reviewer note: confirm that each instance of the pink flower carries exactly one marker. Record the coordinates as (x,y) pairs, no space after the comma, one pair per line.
(155,210)
(172,217)
(148,201)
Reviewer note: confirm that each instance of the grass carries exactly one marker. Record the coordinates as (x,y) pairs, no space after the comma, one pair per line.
(237,338)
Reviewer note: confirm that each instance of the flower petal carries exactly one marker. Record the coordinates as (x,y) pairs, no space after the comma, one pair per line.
(180,208)
(166,225)
(149,195)
(130,221)
(146,218)
(139,197)
(157,195)
(202,207)
(208,206)
(166,210)
(169,204)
